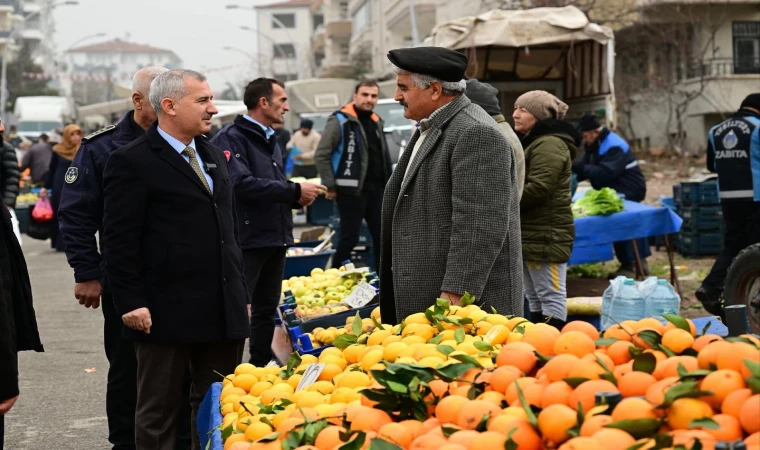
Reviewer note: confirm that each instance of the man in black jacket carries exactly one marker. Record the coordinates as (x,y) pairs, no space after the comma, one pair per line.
(609,162)
(81,218)
(9,173)
(18,324)
(172,257)
(264,202)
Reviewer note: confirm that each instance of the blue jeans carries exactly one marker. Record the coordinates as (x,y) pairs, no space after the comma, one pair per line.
(624,251)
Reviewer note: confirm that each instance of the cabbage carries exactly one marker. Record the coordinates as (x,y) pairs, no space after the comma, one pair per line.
(598,203)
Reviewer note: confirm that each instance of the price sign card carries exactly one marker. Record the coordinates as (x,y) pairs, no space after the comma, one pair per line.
(363,294)
(310,375)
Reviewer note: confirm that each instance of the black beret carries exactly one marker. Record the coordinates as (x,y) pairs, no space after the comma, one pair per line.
(589,123)
(438,62)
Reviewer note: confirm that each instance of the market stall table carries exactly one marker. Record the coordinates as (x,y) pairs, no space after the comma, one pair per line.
(594,235)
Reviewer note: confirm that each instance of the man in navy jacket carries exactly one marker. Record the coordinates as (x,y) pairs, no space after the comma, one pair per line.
(610,162)
(265,200)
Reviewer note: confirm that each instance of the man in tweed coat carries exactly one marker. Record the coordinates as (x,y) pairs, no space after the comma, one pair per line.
(451,220)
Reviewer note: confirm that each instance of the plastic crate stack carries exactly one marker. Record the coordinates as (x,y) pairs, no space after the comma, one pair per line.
(698,204)
(363,253)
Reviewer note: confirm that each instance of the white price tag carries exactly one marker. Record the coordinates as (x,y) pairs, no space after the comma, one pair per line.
(310,375)
(363,294)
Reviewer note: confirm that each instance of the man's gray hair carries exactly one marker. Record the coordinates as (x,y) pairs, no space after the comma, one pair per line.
(143,77)
(171,84)
(422,81)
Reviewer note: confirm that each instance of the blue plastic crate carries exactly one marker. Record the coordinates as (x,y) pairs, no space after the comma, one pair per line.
(696,194)
(322,212)
(301,266)
(692,244)
(701,218)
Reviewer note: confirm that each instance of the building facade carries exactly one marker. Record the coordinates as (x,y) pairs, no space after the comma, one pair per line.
(94,70)
(332,37)
(683,67)
(284,35)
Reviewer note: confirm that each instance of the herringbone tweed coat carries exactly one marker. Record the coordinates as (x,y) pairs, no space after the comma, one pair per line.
(454,223)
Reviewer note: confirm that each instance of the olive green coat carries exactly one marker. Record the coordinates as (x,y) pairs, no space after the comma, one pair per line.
(547,226)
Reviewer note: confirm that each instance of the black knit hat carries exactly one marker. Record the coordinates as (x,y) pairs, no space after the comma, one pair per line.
(483,95)
(752,101)
(588,123)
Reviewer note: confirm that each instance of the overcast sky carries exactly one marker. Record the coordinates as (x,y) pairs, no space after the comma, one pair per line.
(196,30)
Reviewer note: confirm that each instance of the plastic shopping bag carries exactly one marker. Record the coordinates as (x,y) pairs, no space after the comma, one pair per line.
(42,211)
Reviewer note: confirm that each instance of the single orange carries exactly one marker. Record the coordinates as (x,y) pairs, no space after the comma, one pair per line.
(733,402)
(583,327)
(635,384)
(555,421)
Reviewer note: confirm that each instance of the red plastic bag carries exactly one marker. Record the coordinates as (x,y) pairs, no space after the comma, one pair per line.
(42,211)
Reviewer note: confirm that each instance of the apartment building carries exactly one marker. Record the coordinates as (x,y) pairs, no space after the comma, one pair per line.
(683,67)
(284,34)
(35,32)
(332,36)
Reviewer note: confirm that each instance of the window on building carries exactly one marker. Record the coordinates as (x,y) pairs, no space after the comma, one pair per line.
(361,19)
(288,20)
(284,50)
(318,20)
(746,47)
(343,10)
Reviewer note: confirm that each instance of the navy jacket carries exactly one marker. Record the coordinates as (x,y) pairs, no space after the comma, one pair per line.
(80,215)
(263,196)
(609,162)
(170,245)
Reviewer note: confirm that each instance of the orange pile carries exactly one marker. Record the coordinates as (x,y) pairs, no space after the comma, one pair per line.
(673,384)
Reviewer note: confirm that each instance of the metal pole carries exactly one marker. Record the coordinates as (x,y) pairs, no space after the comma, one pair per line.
(413,21)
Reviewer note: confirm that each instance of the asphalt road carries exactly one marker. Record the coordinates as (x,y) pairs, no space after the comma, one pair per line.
(61,405)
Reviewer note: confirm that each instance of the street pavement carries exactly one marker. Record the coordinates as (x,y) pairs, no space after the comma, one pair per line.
(61,406)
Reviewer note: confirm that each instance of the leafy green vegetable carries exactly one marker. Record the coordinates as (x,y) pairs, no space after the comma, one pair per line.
(598,203)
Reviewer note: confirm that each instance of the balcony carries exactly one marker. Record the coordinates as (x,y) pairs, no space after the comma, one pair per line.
(723,67)
(31,34)
(318,38)
(397,16)
(337,27)
(9,5)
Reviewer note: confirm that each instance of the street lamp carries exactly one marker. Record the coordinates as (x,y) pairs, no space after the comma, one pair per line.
(250,56)
(275,20)
(15,30)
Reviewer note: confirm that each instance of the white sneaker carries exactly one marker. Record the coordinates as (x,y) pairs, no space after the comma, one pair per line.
(273,363)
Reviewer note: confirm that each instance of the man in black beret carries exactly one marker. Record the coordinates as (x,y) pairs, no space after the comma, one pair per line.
(451,220)
(609,161)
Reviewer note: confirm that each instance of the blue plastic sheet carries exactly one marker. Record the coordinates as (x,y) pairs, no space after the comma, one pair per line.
(594,235)
(210,417)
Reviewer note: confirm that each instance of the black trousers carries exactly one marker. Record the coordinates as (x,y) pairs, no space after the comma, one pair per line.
(352,210)
(263,274)
(742,221)
(161,368)
(121,391)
